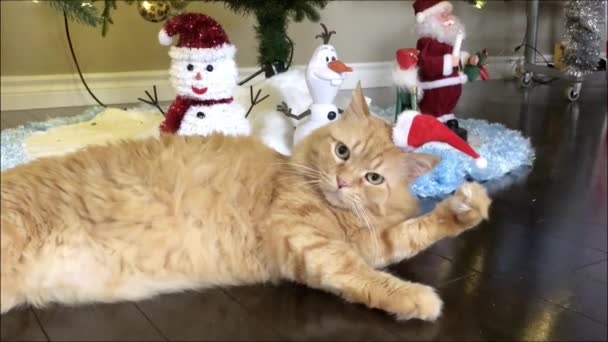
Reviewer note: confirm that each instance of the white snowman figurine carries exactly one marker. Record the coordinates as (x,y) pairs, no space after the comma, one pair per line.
(324,76)
(204,75)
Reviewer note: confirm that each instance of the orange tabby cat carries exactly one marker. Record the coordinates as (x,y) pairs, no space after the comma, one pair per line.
(132,220)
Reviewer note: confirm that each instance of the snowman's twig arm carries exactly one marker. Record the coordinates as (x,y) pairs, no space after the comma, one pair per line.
(153,100)
(254,100)
(283,108)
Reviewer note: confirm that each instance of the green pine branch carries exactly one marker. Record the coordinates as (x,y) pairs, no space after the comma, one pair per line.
(272,20)
(106,17)
(75,11)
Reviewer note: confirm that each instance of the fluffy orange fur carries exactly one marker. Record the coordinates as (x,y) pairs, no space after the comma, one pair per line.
(135,219)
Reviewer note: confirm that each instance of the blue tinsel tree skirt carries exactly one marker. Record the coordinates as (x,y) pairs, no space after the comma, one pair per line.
(507,152)
(12,139)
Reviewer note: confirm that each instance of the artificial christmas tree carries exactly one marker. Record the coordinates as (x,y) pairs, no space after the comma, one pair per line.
(275,48)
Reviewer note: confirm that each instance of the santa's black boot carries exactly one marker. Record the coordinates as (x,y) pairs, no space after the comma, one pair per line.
(453,126)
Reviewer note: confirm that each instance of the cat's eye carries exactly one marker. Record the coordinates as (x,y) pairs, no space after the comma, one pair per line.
(190,67)
(342,151)
(374,178)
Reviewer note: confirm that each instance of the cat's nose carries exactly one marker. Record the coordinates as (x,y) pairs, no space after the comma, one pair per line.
(342,183)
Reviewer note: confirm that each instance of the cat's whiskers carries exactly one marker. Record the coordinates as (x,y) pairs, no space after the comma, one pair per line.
(301,178)
(361,215)
(309,171)
(300,167)
(306,175)
(310,182)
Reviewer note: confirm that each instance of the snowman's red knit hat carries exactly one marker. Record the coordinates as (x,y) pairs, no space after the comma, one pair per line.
(201,38)
(413,130)
(426,8)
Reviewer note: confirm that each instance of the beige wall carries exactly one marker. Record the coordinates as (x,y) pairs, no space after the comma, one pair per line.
(33,40)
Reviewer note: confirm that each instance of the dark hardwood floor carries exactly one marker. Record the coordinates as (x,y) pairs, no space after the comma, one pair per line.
(535,271)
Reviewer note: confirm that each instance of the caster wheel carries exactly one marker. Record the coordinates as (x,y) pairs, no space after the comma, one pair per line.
(526,80)
(572,94)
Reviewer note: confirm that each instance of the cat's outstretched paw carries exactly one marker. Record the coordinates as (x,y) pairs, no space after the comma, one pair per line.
(421,302)
(470,205)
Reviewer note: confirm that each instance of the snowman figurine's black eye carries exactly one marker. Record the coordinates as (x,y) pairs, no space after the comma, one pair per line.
(327,59)
(200,115)
(209,68)
(331,115)
(333,58)
(190,67)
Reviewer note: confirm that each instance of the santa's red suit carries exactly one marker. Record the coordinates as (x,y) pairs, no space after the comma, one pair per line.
(440,81)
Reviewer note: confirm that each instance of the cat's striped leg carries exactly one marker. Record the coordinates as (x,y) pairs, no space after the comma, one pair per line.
(337,267)
(454,215)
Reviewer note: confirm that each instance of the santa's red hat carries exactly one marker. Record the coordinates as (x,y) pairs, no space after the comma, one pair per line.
(201,38)
(426,8)
(413,130)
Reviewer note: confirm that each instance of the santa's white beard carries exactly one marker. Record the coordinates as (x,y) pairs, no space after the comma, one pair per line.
(434,28)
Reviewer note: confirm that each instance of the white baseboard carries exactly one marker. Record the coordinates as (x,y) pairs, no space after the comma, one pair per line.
(51,91)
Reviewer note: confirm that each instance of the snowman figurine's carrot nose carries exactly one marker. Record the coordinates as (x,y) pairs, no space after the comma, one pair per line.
(339,66)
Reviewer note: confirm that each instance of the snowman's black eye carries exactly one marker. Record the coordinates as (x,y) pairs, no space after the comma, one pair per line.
(327,59)
(209,68)
(190,67)
(333,58)
(331,115)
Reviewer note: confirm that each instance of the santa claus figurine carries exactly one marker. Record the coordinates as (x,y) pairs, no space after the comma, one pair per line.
(440,35)
(413,130)
(204,75)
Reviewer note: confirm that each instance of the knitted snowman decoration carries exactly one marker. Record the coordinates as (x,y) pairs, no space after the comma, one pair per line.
(204,75)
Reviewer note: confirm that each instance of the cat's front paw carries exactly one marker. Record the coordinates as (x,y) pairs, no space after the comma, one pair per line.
(469,205)
(421,302)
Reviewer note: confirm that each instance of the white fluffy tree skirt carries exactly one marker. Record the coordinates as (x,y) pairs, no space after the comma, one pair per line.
(111,125)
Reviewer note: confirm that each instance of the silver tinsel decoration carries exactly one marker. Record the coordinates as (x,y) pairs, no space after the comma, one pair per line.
(582,40)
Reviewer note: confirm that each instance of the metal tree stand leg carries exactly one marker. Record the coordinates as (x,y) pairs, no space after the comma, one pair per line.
(530,66)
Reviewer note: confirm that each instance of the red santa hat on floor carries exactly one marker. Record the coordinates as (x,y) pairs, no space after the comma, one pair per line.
(413,130)
(201,38)
(426,8)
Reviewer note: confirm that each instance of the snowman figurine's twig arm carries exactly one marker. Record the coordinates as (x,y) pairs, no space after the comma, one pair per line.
(153,100)
(254,100)
(283,108)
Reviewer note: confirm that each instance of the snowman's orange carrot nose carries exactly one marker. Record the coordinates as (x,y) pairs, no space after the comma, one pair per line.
(339,66)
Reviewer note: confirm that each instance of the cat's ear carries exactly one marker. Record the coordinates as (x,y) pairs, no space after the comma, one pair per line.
(358,106)
(417,164)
